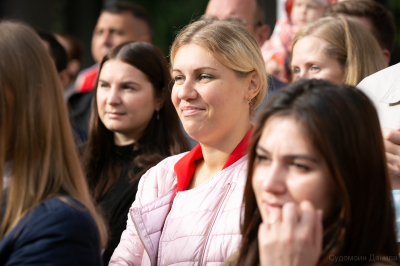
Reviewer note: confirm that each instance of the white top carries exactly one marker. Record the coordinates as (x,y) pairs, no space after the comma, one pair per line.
(383,88)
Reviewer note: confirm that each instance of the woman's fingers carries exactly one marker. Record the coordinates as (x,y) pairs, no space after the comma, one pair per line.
(290,218)
(292,236)
(289,214)
(319,230)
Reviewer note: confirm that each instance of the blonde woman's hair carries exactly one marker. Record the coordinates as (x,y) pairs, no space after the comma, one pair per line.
(231,44)
(41,147)
(350,43)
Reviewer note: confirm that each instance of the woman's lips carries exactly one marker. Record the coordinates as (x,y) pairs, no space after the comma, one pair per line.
(191,110)
(272,207)
(114,115)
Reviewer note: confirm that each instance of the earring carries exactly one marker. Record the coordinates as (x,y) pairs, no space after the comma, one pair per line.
(158,115)
(249,101)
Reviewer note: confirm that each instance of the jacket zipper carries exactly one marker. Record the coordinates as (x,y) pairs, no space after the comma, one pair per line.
(141,240)
(210,225)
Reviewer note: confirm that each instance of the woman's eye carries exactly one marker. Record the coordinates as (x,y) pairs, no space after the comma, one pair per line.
(315,68)
(206,77)
(179,79)
(103,85)
(296,70)
(301,167)
(261,158)
(128,88)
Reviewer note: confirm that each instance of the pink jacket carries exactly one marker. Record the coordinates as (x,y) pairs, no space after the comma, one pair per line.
(163,229)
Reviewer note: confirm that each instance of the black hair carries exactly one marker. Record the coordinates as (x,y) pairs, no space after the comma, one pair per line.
(56,50)
(136,11)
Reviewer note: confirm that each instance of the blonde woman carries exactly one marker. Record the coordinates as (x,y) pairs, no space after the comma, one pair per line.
(341,50)
(187,208)
(47,216)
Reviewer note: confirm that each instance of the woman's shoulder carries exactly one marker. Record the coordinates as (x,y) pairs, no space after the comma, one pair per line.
(164,168)
(169,162)
(59,229)
(158,179)
(61,213)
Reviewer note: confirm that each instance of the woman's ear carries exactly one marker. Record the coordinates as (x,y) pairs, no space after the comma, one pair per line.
(159,101)
(254,85)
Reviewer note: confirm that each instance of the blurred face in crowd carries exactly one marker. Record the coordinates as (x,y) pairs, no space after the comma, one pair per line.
(208,96)
(309,60)
(287,169)
(305,11)
(112,30)
(241,10)
(125,100)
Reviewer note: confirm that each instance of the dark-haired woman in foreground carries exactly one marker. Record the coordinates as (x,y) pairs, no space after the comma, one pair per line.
(133,127)
(47,215)
(318,191)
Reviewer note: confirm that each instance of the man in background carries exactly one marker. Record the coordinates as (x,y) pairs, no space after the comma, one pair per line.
(117,24)
(252,14)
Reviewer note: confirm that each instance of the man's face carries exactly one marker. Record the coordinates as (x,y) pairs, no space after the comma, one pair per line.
(110,31)
(243,10)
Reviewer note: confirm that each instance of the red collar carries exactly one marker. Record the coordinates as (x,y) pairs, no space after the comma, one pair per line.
(186,166)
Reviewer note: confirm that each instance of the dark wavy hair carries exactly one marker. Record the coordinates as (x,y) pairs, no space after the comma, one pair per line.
(160,139)
(343,128)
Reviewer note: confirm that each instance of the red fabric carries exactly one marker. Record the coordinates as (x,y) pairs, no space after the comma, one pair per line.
(87,80)
(186,166)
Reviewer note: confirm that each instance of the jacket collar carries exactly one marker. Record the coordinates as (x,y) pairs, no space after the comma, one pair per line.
(186,166)
(392,95)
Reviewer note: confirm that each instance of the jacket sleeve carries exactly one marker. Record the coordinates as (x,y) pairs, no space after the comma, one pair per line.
(130,248)
(65,236)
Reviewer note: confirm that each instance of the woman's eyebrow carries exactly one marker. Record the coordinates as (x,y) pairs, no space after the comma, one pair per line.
(301,156)
(130,83)
(261,149)
(197,69)
(204,68)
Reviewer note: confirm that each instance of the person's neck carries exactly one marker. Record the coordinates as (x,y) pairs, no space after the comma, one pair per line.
(122,140)
(216,154)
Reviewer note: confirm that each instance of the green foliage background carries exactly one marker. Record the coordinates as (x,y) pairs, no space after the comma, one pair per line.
(170,16)
(394,6)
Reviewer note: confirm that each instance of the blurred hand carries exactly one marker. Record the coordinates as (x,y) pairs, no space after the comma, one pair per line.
(296,239)
(391,139)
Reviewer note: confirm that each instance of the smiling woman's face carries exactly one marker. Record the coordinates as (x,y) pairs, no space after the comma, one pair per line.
(309,60)
(287,169)
(208,96)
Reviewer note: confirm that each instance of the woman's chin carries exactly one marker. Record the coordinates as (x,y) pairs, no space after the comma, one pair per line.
(193,130)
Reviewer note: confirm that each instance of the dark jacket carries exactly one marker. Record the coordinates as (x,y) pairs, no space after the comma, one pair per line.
(54,233)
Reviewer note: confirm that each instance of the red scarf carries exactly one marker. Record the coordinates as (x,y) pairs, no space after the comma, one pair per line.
(186,166)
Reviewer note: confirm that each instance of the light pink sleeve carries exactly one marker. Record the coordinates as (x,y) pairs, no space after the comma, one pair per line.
(130,249)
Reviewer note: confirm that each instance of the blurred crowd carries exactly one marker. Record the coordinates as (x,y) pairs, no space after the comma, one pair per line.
(249,147)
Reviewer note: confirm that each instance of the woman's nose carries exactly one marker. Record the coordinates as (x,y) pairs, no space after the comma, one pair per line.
(113,96)
(186,91)
(274,179)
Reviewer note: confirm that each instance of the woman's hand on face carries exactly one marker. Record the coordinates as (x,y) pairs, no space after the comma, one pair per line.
(294,239)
